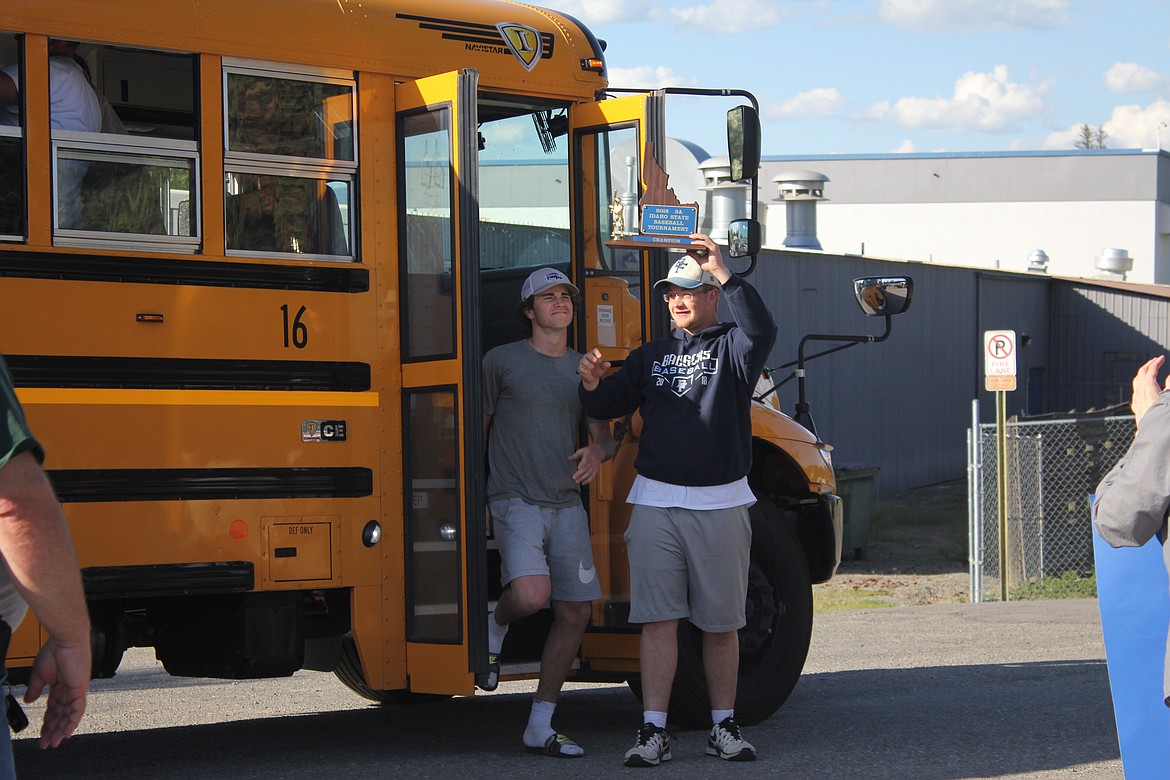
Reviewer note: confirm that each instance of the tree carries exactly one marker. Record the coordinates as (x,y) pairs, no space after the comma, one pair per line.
(1090,138)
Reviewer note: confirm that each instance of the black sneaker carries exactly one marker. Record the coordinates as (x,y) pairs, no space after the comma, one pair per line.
(651,749)
(489,680)
(725,741)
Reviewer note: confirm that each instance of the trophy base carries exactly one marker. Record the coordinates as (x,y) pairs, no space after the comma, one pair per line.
(670,243)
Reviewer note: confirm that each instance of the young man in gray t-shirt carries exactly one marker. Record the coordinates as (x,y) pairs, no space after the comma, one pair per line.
(535,471)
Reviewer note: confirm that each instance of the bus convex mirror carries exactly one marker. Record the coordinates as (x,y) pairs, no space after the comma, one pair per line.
(743,142)
(883,296)
(743,238)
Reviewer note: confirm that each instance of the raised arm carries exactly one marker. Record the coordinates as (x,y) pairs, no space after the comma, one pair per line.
(1134,497)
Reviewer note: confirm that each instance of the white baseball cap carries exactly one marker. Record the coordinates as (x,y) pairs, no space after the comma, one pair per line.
(688,274)
(540,280)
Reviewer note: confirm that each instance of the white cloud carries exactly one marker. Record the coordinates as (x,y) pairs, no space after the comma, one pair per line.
(1134,127)
(649,77)
(906,147)
(822,101)
(730,16)
(595,12)
(1125,77)
(985,102)
(967,15)
(1129,127)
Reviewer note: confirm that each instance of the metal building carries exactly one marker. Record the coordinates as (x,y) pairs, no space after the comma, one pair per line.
(905,404)
(989,209)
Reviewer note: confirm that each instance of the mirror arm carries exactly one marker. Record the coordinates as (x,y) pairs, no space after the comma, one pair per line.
(776,385)
(803,414)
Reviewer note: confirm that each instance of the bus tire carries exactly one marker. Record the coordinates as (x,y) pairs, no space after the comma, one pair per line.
(349,671)
(774,643)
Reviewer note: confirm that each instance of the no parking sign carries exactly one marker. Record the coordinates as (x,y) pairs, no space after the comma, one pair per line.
(999,360)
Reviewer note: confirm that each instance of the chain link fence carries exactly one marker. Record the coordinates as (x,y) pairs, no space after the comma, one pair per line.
(1052,468)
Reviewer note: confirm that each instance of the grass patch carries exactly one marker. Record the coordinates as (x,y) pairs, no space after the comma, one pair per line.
(1069,585)
(828,600)
(923,526)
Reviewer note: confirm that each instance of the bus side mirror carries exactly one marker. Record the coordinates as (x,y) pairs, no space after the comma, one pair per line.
(743,142)
(883,296)
(743,238)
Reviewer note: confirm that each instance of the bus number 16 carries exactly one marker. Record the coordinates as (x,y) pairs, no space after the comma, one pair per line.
(296,331)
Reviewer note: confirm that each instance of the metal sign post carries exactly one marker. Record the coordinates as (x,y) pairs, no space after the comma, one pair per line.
(999,376)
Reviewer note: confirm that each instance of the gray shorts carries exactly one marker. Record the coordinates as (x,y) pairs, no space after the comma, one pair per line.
(689,563)
(548,541)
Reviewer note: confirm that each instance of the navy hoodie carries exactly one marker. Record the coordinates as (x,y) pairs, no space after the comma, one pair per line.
(694,392)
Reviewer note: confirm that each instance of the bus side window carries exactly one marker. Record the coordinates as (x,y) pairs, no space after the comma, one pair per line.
(11,174)
(290,162)
(139,177)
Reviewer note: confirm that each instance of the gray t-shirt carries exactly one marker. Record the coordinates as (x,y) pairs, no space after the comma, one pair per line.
(536,415)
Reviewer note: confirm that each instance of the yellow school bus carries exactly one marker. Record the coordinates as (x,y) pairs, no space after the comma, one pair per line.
(245,311)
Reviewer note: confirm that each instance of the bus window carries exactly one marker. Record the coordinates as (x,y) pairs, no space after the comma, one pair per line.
(289,117)
(268,213)
(11,170)
(608,191)
(291,162)
(431,472)
(524,208)
(426,204)
(133,178)
(132,190)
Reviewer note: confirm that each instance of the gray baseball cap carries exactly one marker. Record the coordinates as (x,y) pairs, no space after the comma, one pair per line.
(540,280)
(688,274)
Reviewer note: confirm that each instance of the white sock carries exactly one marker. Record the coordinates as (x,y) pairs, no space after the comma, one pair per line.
(496,634)
(718,716)
(540,729)
(657,718)
(539,723)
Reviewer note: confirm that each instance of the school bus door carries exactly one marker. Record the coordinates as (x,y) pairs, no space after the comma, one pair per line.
(610,141)
(442,425)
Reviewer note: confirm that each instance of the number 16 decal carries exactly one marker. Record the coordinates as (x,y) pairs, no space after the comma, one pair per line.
(295,332)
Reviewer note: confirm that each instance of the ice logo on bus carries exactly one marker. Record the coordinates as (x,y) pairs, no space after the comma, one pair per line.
(524,41)
(323,430)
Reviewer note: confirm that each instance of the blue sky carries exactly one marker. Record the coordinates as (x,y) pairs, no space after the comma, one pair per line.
(887,76)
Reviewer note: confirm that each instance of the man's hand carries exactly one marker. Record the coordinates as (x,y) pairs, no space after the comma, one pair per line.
(589,460)
(66,671)
(592,368)
(711,259)
(1146,388)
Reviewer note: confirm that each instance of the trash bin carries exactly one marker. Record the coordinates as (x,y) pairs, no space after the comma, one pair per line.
(855,486)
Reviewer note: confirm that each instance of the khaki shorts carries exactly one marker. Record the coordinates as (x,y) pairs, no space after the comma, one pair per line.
(548,541)
(689,563)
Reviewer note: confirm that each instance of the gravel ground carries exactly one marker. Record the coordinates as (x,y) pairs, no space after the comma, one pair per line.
(916,553)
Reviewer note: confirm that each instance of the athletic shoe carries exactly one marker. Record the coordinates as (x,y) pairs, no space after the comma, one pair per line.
(725,741)
(651,749)
(489,680)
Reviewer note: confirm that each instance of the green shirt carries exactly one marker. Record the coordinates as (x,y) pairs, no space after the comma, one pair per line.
(15,436)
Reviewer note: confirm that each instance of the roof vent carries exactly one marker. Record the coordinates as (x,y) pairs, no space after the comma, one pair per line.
(726,199)
(800,191)
(1038,261)
(1114,264)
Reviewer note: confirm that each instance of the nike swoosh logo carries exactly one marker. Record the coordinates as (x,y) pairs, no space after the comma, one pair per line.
(586,575)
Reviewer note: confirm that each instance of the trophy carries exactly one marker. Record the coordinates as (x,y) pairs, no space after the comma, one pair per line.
(664,224)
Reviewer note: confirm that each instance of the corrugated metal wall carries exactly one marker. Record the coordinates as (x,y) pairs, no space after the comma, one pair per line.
(1100,337)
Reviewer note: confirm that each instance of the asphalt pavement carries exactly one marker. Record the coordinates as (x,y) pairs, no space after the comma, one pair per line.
(1017,690)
